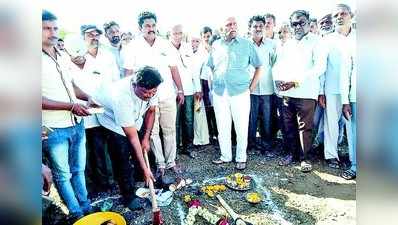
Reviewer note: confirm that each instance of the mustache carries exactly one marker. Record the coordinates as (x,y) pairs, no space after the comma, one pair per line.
(153,32)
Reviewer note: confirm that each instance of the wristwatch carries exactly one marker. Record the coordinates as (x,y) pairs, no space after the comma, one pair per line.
(180,92)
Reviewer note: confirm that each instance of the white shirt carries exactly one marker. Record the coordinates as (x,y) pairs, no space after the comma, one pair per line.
(53,88)
(139,53)
(122,106)
(97,71)
(266,51)
(348,83)
(185,64)
(339,64)
(301,61)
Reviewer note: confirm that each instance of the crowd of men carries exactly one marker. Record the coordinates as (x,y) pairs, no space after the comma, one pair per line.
(166,96)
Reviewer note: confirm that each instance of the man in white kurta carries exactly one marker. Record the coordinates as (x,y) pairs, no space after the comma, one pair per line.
(340,46)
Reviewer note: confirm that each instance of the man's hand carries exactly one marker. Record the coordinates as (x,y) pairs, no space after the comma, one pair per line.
(79,61)
(198,96)
(148,176)
(347,113)
(47,179)
(322,101)
(80,110)
(92,104)
(180,99)
(287,85)
(145,145)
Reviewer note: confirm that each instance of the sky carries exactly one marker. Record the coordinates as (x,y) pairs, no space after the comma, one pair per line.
(191,14)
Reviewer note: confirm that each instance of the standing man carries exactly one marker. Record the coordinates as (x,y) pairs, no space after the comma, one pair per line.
(350,114)
(62,113)
(205,78)
(340,45)
(326,25)
(192,90)
(112,33)
(260,98)
(297,70)
(128,104)
(151,50)
(229,60)
(61,44)
(276,120)
(269,26)
(314,26)
(99,69)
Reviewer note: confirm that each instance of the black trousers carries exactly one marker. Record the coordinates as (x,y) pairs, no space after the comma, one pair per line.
(298,118)
(98,171)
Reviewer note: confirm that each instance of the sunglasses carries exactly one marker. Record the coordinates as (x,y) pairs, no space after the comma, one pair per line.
(300,23)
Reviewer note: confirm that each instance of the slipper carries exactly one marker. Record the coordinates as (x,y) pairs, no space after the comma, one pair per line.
(333,163)
(219,162)
(286,161)
(240,166)
(305,167)
(349,174)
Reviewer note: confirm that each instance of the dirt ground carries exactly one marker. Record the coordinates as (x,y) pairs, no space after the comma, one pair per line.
(291,197)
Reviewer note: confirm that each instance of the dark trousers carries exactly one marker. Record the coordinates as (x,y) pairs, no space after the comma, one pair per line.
(211,117)
(184,122)
(125,167)
(276,111)
(298,118)
(260,105)
(98,169)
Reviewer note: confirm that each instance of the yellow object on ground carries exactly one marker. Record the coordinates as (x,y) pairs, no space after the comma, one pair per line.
(101,217)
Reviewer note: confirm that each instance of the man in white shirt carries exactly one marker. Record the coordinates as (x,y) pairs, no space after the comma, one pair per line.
(129,103)
(154,51)
(99,68)
(112,33)
(260,98)
(192,90)
(296,74)
(62,113)
(341,45)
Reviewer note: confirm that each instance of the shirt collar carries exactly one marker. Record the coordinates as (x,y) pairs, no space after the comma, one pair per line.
(236,39)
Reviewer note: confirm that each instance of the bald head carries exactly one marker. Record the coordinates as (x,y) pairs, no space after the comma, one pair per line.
(231,28)
(177,34)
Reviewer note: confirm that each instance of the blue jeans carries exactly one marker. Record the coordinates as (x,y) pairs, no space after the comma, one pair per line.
(260,104)
(351,126)
(67,153)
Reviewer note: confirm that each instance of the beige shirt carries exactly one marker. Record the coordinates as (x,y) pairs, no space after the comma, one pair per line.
(54,88)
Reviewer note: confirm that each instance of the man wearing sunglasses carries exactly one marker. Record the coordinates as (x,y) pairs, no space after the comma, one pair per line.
(99,69)
(297,78)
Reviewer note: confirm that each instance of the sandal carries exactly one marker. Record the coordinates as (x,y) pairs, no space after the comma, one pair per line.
(286,160)
(333,163)
(219,162)
(240,166)
(305,167)
(349,174)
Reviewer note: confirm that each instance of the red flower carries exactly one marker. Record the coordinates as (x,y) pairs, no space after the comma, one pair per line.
(194,203)
(223,221)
